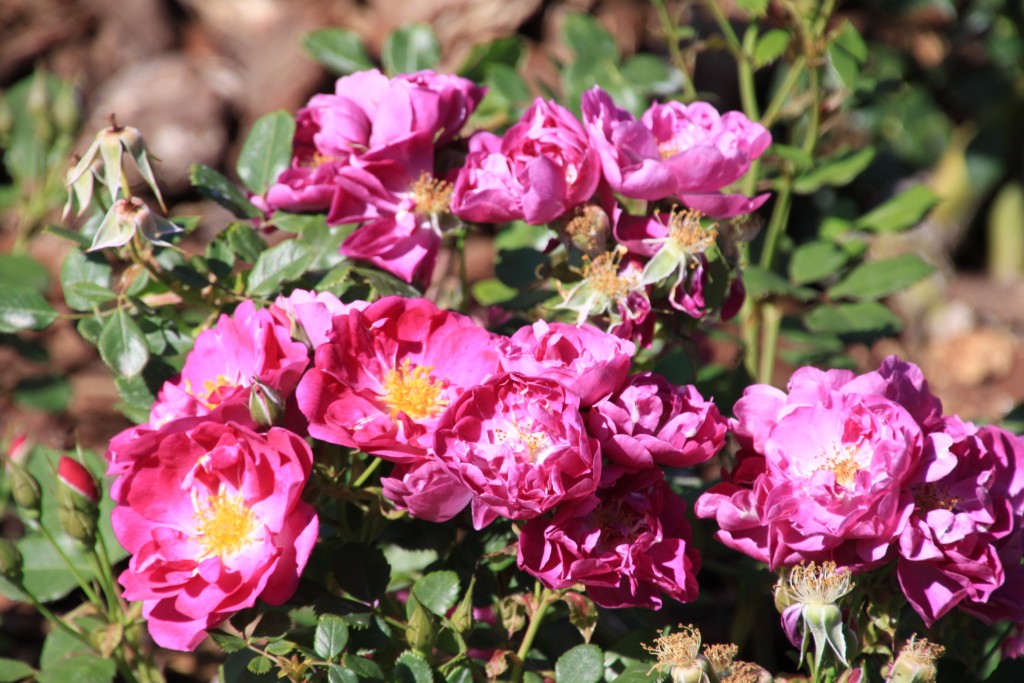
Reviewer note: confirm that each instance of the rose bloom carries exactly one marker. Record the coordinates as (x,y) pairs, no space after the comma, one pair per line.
(541,168)
(367,118)
(965,531)
(426,489)
(675,150)
(519,445)
(628,544)
(311,313)
(221,366)
(213,519)
(823,473)
(582,358)
(388,372)
(652,422)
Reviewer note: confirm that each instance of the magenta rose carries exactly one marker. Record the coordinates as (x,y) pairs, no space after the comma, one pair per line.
(542,168)
(628,544)
(221,366)
(964,533)
(651,422)
(823,472)
(519,445)
(426,489)
(312,312)
(582,358)
(388,372)
(675,150)
(214,520)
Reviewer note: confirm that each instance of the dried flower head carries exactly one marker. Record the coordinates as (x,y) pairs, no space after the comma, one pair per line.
(679,655)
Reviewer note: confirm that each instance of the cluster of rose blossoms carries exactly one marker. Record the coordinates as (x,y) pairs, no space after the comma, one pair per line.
(546,426)
(864,471)
(384,153)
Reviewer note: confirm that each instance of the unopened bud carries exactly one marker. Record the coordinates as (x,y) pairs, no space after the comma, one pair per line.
(265,404)
(462,615)
(10,561)
(916,662)
(25,490)
(420,632)
(78,500)
(74,478)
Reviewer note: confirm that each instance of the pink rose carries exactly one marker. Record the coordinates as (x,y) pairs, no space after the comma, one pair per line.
(213,519)
(519,445)
(225,359)
(387,373)
(965,529)
(542,168)
(582,358)
(426,490)
(72,475)
(312,312)
(628,544)
(651,422)
(824,472)
(686,151)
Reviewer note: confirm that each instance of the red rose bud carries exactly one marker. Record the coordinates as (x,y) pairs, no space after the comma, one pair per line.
(73,475)
(19,448)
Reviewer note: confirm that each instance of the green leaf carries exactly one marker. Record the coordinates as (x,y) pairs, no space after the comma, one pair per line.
(861,317)
(245,241)
(386,284)
(761,283)
(340,50)
(438,591)
(590,41)
(260,665)
(652,75)
(902,211)
(228,642)
(136,398)
(12,670)
(51,394)
(410,667)
(770,47)
(288,261)
(362,571)
(87,295)
(22,308)
(215,186)
(847,53)
(298,223)
(81,268)
(758,7)
(23,271)
(639,673)
(123,346)
(492,291)
(815,261)
(462,674)
(339,674)
(363,667)
(582,664)
(267,151)
(838,170)
(506,51)
(881,278)
(412,47)
(79,670)
(331,636)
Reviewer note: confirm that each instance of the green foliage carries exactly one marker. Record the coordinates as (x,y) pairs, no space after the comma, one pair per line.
(413,47)
(267,151)
(581,664)
(340,50)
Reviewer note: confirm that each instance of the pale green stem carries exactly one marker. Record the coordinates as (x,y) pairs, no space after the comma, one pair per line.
(367,473)
(672,40)
(86,586)
(782,94)
(543,599)
(745,71)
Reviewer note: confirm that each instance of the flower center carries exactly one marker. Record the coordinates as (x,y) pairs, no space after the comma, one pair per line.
(432,196)
(843,462)
(685,231)
(818,584)
(602,272)
(224,525)
(318,159)
(675,650)
(535,443)
(210,388)
(928,497)
(412,390)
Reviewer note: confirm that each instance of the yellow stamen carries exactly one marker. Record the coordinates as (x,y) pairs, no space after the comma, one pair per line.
(844,463)
(817,584)
(686,231)
(679,649)
(930,497)
(224,525)
(209,388)
(413,391)
(432,196)
(602,272)
(533,441)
